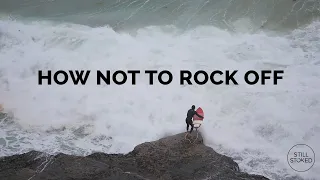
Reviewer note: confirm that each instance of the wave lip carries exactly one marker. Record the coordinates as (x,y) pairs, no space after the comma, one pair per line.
(240,15)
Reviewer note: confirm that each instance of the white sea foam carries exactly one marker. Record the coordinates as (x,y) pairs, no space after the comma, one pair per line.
(257,125)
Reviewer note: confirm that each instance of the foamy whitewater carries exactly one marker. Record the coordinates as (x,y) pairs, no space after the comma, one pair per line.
(256,125)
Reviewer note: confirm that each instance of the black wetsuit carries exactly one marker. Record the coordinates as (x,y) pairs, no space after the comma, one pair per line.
(189,122)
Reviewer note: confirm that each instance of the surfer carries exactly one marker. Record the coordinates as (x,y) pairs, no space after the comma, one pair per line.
(190,114)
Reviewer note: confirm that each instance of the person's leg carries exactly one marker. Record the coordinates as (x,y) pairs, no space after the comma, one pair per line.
(187,125)
(191,124)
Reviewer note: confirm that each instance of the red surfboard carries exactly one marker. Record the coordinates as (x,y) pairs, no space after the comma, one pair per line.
(200,112)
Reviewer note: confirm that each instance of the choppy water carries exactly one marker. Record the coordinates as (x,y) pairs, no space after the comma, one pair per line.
(256,125)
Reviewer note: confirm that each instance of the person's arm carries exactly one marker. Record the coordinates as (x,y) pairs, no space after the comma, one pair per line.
(198,114)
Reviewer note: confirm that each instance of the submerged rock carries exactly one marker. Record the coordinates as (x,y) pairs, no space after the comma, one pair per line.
(169,158)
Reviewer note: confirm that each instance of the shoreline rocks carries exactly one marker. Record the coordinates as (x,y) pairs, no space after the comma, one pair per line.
(169,158)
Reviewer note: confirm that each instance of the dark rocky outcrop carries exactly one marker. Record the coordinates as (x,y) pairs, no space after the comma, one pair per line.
(169,158)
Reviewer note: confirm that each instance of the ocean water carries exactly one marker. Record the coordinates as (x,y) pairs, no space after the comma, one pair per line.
(256,125)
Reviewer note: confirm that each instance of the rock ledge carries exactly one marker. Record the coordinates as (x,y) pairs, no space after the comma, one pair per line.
(169,158)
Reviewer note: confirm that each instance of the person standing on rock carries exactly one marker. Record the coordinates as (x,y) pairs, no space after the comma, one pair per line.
(190,114)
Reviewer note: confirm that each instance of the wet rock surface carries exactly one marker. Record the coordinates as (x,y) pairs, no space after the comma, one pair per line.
(169,158)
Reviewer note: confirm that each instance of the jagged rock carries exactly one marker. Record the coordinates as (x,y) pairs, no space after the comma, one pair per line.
(169,158)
